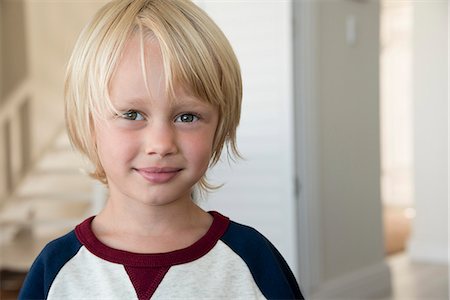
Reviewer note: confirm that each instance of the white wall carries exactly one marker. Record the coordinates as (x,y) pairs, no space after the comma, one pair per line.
(259,190)
(429,241)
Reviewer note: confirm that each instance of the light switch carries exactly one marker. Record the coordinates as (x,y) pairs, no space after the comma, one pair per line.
(350,30)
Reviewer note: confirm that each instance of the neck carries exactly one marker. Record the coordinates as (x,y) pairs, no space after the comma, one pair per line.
(141,219)
(142,228)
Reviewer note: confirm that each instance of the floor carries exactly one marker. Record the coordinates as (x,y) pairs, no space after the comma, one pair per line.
(410,280)
(417,281)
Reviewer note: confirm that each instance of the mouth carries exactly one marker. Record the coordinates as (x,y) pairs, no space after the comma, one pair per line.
(158,175)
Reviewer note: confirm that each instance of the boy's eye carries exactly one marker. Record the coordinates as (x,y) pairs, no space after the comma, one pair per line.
(133,115)
(186,118)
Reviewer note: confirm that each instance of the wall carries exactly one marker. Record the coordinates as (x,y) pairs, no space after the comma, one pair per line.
(349,137)
(429,241)
(13,75)
(13,67)
(341,119)
(259,189)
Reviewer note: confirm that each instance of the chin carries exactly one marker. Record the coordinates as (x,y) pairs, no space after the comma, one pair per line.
(161,198)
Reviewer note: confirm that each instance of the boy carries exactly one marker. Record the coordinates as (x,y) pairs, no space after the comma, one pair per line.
(153,93)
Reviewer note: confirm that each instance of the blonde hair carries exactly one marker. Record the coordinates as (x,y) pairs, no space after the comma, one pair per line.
(196,54)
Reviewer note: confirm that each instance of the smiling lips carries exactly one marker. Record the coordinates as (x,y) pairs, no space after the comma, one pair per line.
(158,175)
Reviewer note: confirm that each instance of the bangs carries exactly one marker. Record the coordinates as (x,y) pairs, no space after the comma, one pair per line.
(189,62)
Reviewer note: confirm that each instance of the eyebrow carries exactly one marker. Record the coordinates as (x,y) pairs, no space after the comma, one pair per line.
(187,99)
(181,102)
(130,101)
(189,102)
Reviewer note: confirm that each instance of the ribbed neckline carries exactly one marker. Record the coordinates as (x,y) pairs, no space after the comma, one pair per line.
(195,251)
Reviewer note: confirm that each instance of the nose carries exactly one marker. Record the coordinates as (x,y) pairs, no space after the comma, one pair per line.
(161,140)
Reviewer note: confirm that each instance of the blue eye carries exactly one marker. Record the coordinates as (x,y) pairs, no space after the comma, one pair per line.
(133,115)
(186,118)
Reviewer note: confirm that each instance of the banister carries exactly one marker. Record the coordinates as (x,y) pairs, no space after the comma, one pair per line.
(14,113)
(14,101)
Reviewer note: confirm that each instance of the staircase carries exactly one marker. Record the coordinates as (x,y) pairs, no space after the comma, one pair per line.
(43,197)
(43,191)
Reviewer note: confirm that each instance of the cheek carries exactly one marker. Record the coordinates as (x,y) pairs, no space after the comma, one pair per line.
(198,149)
(114,147)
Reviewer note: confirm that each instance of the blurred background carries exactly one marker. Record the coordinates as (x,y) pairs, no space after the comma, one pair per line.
(344,133)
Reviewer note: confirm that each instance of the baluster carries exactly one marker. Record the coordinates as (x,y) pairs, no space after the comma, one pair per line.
(25,137)
(8,170)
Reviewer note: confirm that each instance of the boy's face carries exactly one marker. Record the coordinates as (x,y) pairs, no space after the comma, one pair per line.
(155,150)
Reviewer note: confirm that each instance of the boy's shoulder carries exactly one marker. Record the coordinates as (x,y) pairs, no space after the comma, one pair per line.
(268,267)
(56,254)
(244,238)
(61,248)
(47,265)
(245,241)
(241,235)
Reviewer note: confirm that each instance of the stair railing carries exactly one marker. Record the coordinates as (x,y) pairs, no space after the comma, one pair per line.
(15,139)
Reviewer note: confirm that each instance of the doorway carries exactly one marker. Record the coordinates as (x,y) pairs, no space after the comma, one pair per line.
(396,107)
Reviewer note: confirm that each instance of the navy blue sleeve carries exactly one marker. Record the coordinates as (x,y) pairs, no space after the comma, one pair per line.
(269,269)
(47,265)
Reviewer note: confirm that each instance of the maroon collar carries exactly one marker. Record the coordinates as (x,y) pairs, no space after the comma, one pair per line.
(195,251)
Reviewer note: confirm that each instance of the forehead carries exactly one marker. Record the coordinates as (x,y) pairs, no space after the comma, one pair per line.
(139,66)
(140,75)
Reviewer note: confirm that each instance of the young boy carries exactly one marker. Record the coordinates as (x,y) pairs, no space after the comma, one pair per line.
(153,93)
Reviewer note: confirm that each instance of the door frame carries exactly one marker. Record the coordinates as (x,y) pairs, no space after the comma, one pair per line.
(306,145)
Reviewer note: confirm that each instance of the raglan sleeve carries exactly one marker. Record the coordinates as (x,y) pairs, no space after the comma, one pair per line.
(34,284)
(284,268)
(47,265)
(267,266)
